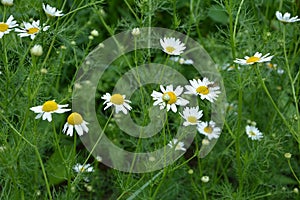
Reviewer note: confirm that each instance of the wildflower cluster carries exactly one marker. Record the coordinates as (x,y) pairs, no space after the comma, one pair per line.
(170,97)
(29,29)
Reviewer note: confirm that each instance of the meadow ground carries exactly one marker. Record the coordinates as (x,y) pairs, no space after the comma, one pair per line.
(227,125)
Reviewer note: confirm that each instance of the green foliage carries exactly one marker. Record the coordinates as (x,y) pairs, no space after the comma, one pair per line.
(37,159)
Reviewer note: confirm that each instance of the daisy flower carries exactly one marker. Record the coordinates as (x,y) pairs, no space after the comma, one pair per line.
(118,100)
(172,46)
(253,133)
(52,11)
(204,88)
(177,145)
(286,18)
(48,108)
(257,58)
(191,115)
(209,129)
(75,120)
(5,27)
(79,168)
(169,98)
(31,29)
(182,61)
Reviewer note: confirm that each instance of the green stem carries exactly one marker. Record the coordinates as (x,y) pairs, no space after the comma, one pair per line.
(274,104)
(36,151)
(291,80)
(94,147)
(293,172)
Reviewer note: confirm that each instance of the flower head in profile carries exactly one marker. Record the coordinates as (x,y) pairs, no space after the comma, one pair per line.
(52,11)
(257,58)
(117,100)
(209,129)
(7,2)
(205,89)
(31,29)
(76,121)
(6,27)
(172,46)
(191,115)
(79,168)
(253,133)
(135,32)
(176,145)
(36,50)
(169,98)
(286,18)
(45,111)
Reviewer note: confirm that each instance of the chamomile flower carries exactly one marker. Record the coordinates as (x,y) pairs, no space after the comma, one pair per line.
(172,46)
(257,58)
(76,121)
(45,111)
(31,29)
(191,115)
(79,168)
(205,89)
(182,61)
(286,18)
(117,100)
(52,11)
(169,98)
(253,133)
(209,129)
(6,27)
(177,145)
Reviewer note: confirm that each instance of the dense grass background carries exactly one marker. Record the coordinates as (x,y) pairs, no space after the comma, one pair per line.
(238,167)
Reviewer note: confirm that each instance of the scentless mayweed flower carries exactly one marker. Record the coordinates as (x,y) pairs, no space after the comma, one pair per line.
(76,121)
(182,61)
(117,100)
(257,58)
(31,29)
(36,50)
(169,98)
(205,179)
(79,168)
(52,11)
(191,115)
(7,2)
(286,18)
(6,27)
(172,46)
(45,111)
(135,32)
(179,146)
(205,89)
(209,129)
(253,133)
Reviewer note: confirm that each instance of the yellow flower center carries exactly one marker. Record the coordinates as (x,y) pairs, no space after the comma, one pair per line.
(202,90)
(82,169)
(75,119)
(252,133)
(169,97)
(192,119)
(117,99)
(33,30)
(170,49)
(208,129)
(3,27)
(252,59)
(49,106)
